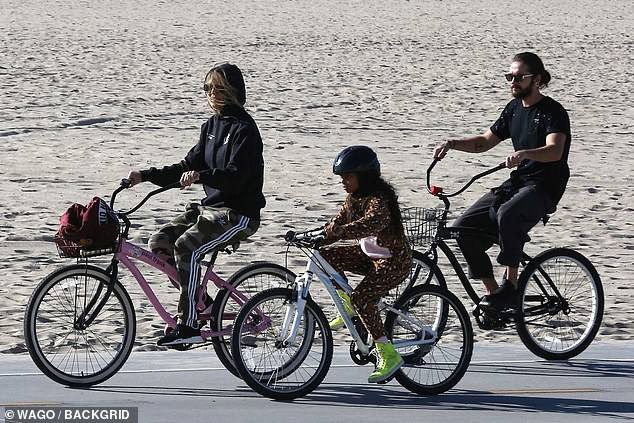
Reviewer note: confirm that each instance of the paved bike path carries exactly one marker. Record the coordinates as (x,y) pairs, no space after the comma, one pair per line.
(505,383)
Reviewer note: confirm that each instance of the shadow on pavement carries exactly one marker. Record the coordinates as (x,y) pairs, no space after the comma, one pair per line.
(238,392)
(462,400)
(394,396)
(559,369)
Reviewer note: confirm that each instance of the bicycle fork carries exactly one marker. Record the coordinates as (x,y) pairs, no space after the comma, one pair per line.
(295,309)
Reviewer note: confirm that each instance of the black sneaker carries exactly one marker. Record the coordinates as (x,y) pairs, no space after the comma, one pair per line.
(503,297)
(183,334)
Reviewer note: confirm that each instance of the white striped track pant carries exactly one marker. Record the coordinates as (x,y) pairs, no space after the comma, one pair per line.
(200,230)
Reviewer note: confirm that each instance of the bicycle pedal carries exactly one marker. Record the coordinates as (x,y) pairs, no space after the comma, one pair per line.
(179,347)
(386,381)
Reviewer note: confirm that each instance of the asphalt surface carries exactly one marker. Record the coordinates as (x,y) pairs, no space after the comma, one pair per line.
(505,383)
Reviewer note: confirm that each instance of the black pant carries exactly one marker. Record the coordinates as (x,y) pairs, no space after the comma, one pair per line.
(509,216)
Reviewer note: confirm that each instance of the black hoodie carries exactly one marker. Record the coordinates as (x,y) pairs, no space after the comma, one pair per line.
(229,152)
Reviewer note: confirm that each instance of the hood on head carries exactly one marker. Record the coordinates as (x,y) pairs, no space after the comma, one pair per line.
(234,77)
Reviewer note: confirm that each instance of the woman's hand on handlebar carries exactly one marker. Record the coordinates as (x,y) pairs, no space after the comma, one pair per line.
(441,151)
(189,178)
(134,177)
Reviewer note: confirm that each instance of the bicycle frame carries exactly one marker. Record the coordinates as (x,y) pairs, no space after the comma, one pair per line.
(454,232)
(331,279)
(129,251)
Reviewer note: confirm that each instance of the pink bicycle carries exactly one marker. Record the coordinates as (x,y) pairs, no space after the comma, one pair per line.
(80,323)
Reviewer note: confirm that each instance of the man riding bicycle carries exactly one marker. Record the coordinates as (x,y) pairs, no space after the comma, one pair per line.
(540,131)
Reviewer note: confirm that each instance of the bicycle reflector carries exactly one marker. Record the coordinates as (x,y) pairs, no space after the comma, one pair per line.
(435,190)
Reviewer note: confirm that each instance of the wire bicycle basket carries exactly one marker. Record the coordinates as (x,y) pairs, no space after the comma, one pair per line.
(70,249)
(420,224)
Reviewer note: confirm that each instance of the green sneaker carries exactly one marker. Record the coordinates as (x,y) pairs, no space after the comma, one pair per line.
(338,322)
(389,361)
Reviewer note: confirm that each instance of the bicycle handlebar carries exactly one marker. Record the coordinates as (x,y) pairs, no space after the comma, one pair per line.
(125,184)
(312,236)
(437,191)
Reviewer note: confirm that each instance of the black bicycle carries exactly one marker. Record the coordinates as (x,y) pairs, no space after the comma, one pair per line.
(561,295)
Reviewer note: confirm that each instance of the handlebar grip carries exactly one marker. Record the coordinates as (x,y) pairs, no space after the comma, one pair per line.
(290,236)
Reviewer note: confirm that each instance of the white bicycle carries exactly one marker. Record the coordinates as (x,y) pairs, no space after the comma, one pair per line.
(282,344)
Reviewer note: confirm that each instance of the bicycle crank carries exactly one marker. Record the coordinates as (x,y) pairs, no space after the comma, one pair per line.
(359,358)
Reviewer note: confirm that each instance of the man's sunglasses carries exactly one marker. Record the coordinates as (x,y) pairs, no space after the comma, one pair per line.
(517,78)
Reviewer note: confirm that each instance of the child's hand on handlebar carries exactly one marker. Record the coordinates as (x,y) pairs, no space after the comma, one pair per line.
(332,230)
(134,177)
(189,178)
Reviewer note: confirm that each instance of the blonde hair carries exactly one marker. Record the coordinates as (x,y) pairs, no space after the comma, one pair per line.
(217,79)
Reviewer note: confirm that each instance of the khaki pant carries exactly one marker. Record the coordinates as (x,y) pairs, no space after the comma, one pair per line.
(198,231)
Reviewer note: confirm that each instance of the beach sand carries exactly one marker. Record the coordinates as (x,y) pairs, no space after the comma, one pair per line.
(91,90)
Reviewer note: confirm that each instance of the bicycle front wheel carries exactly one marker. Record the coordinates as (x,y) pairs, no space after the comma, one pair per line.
(62,349)
(248,281)
(434,336)
(561,304)
(266,361)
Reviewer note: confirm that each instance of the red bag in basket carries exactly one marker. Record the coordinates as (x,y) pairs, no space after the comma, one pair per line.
(94,225)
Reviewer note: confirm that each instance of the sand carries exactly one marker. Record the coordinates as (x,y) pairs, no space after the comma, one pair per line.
(91,90)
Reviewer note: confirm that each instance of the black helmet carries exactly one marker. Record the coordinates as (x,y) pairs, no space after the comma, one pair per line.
(354,159)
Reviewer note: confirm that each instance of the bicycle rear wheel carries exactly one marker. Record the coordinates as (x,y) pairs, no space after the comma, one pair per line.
(66,352)
(433,314)
(249,280)
(268,365)
(559,327)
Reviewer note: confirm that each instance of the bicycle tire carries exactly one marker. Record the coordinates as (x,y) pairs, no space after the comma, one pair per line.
(269,387)
(563,258)
(35,317)
(222,344)
(416,358)
(418,276)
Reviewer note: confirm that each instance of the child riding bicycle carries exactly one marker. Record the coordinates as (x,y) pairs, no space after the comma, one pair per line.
(228,161)
(370,214)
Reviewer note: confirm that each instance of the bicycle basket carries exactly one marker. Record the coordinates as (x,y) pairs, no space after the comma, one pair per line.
(70,249)
(420,224)
(86,231)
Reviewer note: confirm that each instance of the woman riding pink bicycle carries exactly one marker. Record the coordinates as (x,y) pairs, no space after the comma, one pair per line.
(228,161)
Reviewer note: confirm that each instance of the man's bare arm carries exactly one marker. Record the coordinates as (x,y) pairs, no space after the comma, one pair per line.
(551,152)
(477,144)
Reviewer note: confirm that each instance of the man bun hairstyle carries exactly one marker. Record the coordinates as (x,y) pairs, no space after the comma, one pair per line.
(535,66)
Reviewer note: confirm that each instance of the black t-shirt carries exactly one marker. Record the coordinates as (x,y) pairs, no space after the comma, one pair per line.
(528,128)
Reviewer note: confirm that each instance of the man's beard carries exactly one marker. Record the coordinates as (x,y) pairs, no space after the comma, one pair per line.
(522,93)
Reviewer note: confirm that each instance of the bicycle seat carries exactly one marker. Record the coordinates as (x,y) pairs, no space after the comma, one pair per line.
(228,249)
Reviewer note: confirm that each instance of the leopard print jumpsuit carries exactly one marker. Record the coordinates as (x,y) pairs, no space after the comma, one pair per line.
(362,217)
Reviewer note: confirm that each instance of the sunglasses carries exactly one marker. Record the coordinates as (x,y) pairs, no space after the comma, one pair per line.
(517,78)
(207,87)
